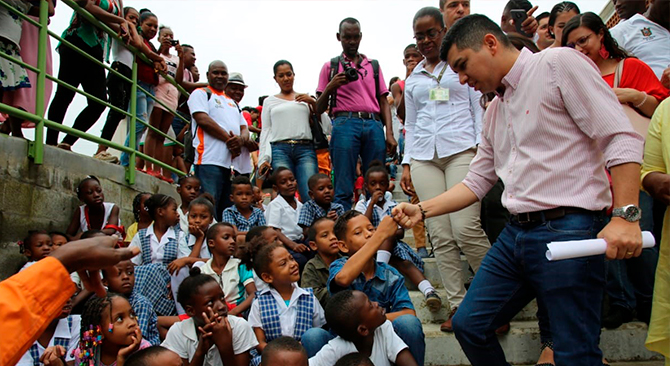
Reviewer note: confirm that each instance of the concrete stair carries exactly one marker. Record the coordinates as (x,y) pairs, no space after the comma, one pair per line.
(623,346)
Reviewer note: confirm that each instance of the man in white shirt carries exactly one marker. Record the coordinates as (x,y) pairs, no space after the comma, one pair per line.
(219,132)
(645,36)
(235,89)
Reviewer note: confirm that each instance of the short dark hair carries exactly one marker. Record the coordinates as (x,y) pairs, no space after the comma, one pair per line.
(314,179)
(81,183)
(276,173)
(376,166)
(190,286)
(187,46)
(157,201)
(517,4)
(59,233)
(469,32)
(288,344)
(143,356)
(91,233)
(280,63)
(342,222)
(354,359)
(593,22)
(348,21)
(262,255)
(311,232)
(411,45)
(342,316)
(542,16)
(240,180)
(520,42)
(255,232)
(429,11)
(203,201)
(214,229)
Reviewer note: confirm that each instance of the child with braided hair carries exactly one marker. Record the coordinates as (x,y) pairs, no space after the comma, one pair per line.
(109,332)
(142,218)
(95,213)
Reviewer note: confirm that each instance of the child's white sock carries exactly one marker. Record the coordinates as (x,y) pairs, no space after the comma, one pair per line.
(383,256)
(426,287)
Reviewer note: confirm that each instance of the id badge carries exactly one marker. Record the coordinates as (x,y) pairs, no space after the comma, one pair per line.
(439,94)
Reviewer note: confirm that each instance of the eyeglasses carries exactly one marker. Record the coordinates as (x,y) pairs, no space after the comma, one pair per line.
(582,42)
(431,34)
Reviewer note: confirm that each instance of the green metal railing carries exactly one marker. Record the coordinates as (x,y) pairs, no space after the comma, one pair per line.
(36,148)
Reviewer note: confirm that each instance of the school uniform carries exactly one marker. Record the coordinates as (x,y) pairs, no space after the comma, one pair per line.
(282,216)
(182,338)
(312,211)
(233,279)
(232,216)
(66,335)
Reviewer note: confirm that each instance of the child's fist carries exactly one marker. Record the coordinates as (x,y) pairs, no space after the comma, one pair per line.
(387,227)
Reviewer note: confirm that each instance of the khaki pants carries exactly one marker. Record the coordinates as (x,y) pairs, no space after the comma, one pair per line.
(455,232)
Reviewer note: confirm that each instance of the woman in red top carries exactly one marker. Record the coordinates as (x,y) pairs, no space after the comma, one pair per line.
(639,87)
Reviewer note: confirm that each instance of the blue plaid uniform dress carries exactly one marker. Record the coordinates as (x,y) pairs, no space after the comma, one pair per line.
(146,317)
(401,249)
(63,342)
(270,318)
(234,217)
(171,248)
(311,211)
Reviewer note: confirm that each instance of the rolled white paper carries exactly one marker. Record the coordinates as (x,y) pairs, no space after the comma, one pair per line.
(558,250)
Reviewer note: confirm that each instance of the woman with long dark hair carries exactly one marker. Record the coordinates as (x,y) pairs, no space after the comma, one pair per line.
(560,14)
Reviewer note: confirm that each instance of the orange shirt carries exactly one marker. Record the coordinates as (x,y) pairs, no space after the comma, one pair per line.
(29,301)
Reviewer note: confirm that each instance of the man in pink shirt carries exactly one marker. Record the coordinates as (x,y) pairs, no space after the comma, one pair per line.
(550,143)
(359,110)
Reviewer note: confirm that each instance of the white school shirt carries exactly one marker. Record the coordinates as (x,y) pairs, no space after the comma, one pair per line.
(185,251)
(385,348)
(62,331)
(287,314)
(362,205)
(183,340)
(229,278)
(157,248)
(646,40)
(223,110)
(183,219)
(281,215)
(445,127)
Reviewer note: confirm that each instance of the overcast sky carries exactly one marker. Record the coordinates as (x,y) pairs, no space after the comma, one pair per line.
(250,36)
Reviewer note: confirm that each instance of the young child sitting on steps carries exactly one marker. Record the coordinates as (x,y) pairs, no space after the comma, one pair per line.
(209,336)
(321,203)
(322,239)
(95,213)
(58,239)
(284,351)
(188,189)
(243,215)
(362,327)
(37,245)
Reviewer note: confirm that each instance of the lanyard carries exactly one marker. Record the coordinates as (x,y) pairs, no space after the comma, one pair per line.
(433,77)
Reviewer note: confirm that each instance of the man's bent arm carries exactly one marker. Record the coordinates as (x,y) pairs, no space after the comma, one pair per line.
(206,122)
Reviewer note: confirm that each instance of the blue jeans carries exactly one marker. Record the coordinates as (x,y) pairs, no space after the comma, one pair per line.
(515,270)
(178,124)
(630,282)
(143,107)
(409,329)
(215,180)
(300,159)
(314,339)
(352,137)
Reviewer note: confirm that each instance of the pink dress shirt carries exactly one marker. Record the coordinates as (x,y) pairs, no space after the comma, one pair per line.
(359,95)
(551,134)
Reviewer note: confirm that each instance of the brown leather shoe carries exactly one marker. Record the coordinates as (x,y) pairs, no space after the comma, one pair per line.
(448,326)
(503,330)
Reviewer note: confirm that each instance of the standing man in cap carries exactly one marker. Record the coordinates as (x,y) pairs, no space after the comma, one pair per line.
(235,89)
(219,133)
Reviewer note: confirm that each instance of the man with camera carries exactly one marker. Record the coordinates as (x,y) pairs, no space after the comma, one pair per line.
(353,87)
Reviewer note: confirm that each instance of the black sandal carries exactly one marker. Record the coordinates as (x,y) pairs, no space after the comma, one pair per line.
(550,345)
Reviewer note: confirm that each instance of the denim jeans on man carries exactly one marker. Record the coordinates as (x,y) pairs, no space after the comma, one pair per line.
(143,107)
(351,137)
(515,271)
(298,158)
(215,180)
(630,282)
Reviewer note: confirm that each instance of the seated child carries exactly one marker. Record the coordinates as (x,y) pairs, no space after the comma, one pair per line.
(322,239)
(194,248)
(95,213)
(242,214)
(288,310)
(142,218)
(382,283)
(154,356)
(236,281)
(321,203)
(256,237)
(258,199)
(209,335)
(57,342)
(283,213)
(121,280)
(37,245)
(58,239)
(362,327)
(284,351)
(122,336)
(188,188)
(404,259)
(354,359)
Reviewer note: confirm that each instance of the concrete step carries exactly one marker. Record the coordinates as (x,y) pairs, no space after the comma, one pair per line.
(433,274)
(522,345)
(428,317)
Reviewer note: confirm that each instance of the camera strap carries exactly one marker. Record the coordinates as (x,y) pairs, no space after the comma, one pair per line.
(335,67)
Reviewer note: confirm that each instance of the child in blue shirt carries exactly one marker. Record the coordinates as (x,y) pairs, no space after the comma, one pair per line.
(243,215)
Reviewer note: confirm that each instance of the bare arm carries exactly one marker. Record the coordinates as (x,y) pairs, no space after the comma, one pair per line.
(393,316)
(323,98)
(398,100)
(113,220)
(74,224)
(260,336)
(246,304)
(404,358)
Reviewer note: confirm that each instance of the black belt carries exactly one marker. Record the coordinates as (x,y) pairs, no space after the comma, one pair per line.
(294,142)
(361,115)
(539,217)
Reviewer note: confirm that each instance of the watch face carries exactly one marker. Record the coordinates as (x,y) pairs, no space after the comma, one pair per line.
(632,213)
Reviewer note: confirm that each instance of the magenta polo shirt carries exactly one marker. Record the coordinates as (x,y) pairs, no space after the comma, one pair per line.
(359,95)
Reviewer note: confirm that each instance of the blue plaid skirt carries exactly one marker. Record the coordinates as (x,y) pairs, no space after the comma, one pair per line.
(403,252)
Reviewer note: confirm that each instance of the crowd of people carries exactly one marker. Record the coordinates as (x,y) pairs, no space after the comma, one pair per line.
(504,137)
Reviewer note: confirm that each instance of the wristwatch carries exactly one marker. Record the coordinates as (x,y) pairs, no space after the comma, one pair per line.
(630,213)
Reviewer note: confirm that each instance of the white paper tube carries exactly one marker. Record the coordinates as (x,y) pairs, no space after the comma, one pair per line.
(583,248)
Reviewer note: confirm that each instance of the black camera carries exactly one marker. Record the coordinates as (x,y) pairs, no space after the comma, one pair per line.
(174,42)
(350,73)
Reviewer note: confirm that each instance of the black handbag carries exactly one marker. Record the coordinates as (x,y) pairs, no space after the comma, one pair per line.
(318,137)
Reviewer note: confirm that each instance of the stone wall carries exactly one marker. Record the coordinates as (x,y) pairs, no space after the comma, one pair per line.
(43,196)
